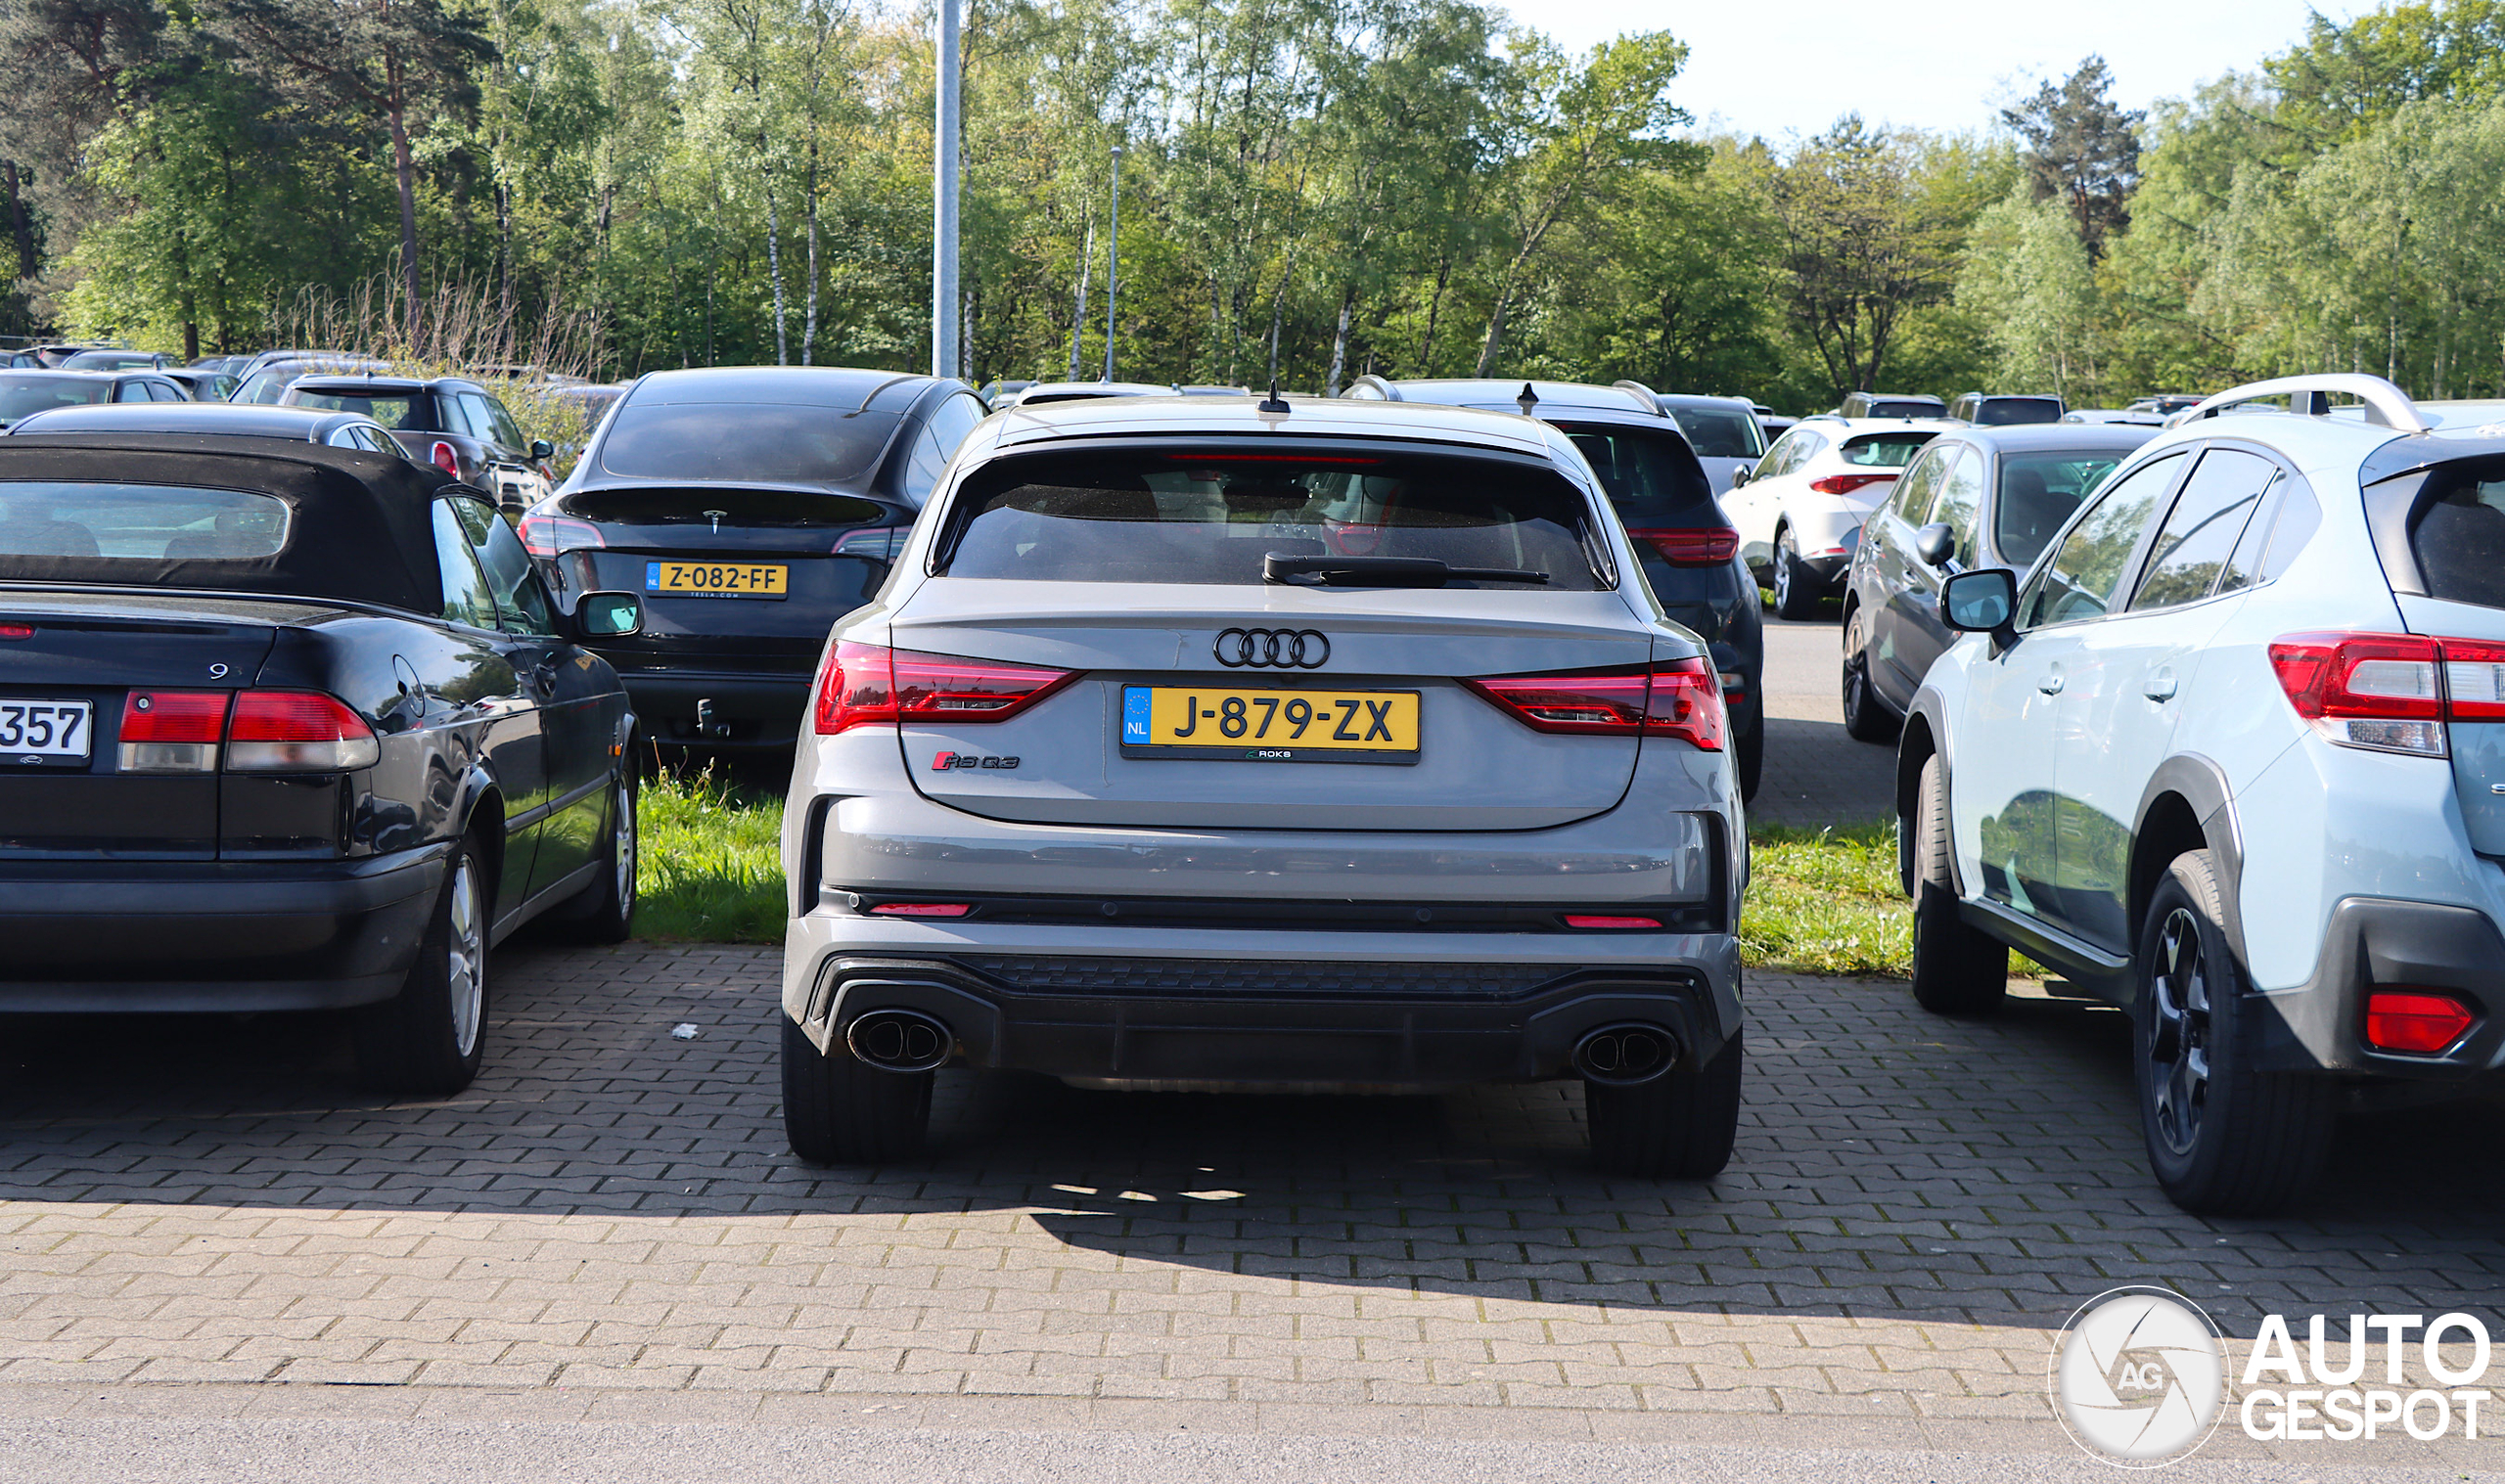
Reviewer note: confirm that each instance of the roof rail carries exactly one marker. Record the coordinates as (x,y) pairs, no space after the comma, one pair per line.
(2310,396)
(1651,399)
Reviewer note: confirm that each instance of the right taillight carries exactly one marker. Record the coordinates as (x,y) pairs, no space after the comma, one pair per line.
(1675,698)
(445,458)
(1690,546)
(862,685)
(555,535)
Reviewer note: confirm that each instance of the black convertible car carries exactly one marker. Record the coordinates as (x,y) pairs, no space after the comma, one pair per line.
(288,726)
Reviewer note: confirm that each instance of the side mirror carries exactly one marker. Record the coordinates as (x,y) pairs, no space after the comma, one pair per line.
(1935,543)
(1982,602)
(541,448)
(609,615)
(1742,474)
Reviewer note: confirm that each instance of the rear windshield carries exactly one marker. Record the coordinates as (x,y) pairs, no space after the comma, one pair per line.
(1651,474)
(2457,533)
(1211,517)
(23,396)
(1922,409)
(395,410)
(139,522)
(733,507)
(745,440)
(1718,434)
(2010,412)
(2038,491)
(1886,450)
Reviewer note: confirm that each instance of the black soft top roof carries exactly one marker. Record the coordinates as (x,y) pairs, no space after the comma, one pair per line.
(360,527)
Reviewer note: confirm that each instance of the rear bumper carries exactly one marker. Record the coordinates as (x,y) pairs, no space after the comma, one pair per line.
(759,711)
(1245,1017)
(212,938)
(2373,943)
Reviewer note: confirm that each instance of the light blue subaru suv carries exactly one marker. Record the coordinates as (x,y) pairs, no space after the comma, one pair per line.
(2231,756)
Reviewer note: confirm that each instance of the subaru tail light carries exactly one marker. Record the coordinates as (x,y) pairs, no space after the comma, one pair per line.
(555,535)
(1694,546)
(862,685)
(2416,1022)
(296,732)
(444,457)
(1845,484)
(172,731)
(1674,697)
(2379,692)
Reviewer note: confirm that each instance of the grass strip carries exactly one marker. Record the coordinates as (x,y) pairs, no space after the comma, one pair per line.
(710,869)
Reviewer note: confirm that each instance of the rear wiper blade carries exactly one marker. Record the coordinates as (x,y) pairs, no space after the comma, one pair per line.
(1383,571)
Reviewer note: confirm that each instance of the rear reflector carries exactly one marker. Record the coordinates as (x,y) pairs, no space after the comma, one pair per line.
(863,684)
(1696,546)
(1580,919)
(921,909)
(296,732)
(172,731)
(2415,1023)
(554,535)
(1845,484)
(1675,698)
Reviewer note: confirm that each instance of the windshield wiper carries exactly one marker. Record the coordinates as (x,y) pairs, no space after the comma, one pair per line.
(1383,571)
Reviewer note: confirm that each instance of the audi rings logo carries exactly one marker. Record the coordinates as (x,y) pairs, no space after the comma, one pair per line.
(1272,648)
(2139,1376)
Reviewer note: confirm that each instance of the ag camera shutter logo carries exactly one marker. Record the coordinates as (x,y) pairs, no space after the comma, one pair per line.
(2139,1377)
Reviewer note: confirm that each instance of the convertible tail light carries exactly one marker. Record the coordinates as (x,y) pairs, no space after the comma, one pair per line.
(172,731)
(1845,484)
(2414,1021)
(1675,698)
(863,684)
(296,732)
(1697,546)
(555,535)
(445,458)
(2379,692)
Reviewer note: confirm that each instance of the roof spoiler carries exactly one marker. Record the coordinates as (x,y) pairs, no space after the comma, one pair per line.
(2310,396)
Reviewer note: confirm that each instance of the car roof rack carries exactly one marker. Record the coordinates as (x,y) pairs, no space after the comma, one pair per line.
(2310,396)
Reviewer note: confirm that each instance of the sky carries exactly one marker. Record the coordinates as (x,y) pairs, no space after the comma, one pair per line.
(1775,66)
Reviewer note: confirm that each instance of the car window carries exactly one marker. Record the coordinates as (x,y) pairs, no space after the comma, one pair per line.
(744,441)
(2298,518)
(1886,450)
(2039,493)
(2200,533)
(1156,516)
(520,605)
(137,522)
(955,418)
(21,396)
(489,420)
(466,599)
(1648,475)
(1961,497)
(1912,499)
(1718,434)
(2012,412)
(2081,578)
(398,410)
(921,471)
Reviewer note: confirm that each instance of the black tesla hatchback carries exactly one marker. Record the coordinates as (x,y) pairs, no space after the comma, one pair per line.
(751,507)
(287,726)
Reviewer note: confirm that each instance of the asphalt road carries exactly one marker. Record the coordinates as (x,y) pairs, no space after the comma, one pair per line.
(1815,775)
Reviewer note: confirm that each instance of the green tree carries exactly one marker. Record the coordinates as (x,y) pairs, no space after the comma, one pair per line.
(2082,149)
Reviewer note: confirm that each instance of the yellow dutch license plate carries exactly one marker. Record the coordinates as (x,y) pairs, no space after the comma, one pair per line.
(718,580)
(1270,725)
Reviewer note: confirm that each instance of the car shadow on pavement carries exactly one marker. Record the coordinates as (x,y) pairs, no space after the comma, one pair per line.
(1890,1163)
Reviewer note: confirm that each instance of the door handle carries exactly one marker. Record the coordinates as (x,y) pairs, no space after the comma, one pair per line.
(2051,682)
(2159,686)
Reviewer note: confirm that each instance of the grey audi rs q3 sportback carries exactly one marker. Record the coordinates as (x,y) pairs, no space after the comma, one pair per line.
(1229,744)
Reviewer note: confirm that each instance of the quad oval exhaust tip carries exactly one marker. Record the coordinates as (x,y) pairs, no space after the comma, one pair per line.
(1622,1055)
(900,1040)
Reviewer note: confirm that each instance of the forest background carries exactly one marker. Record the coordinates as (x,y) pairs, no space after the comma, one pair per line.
(1311,189)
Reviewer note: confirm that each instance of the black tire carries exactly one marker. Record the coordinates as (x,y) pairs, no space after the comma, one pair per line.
(1866,718)
(1796,587)
(1679,1126)
(1747,757)
(604,911)
(837,1111)
(2222,1140)
(1958,970)
(431,1037)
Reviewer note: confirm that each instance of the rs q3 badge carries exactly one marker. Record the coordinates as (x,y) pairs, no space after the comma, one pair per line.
(947,760)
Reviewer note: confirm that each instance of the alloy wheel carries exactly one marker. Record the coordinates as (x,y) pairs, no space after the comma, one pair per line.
(622,849)
(465,956)
(2179,1033)
(1783,573)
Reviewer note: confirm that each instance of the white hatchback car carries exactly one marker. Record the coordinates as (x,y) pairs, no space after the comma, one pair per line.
(2231,756)
(1799,512)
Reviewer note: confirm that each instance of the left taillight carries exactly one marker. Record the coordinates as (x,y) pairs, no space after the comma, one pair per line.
(864,685)
(260,731)
(1675,698)
(1690,546)
(445,458)
(555,535)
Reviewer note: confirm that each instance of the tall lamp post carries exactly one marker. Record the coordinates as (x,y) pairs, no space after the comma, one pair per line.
(944,208)
(1113,262)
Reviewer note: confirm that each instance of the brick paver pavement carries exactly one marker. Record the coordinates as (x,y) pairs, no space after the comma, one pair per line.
(1915,1204)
